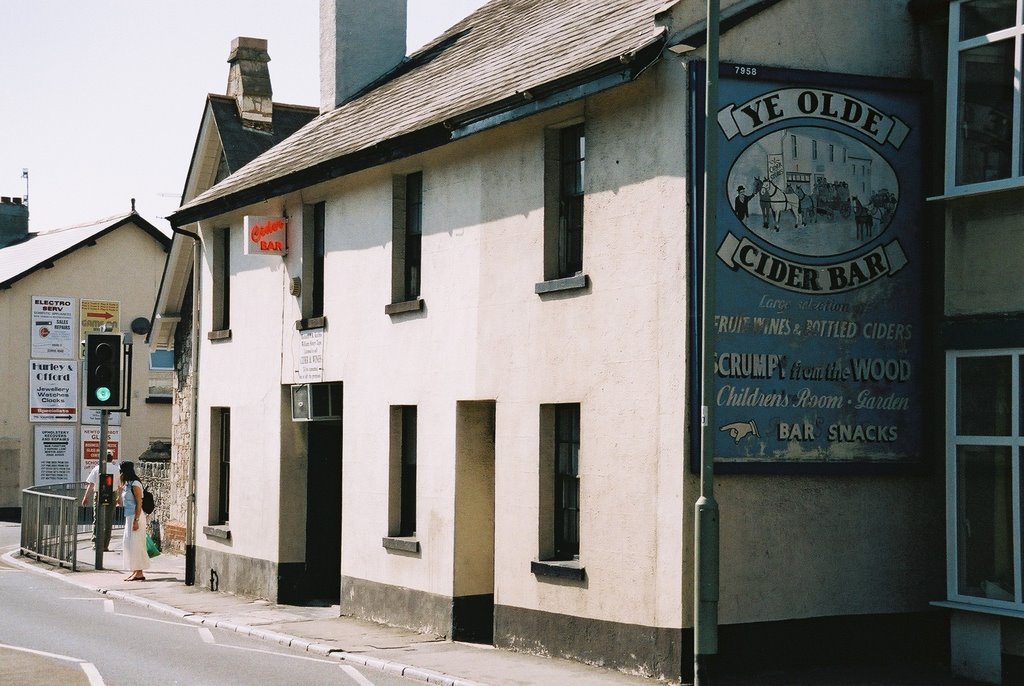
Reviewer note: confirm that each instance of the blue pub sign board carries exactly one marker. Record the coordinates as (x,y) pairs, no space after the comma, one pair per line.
(818,324)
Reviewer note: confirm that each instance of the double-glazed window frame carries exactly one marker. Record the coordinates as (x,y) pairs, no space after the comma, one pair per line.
(959,47)
(963,446)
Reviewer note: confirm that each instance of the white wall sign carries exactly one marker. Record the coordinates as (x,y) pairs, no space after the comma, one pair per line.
(311,357)
(53,327)
(266,235)
(55,454)
(91,415)
(53,391)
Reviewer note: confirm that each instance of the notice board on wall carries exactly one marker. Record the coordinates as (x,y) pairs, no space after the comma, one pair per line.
(818,324)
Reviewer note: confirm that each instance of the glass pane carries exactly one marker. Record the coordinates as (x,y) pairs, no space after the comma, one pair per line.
(983,396)
(984,522)
(985,16)
(985,104)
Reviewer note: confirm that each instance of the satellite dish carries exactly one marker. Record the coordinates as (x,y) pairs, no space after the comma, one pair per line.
(140,325)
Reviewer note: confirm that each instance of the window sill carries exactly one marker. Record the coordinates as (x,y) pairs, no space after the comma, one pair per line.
(404,306)
(569,283)
(222,335)
(980,609)
(562,569)
(311,323)
(402,544)
(978,189)
(220,531)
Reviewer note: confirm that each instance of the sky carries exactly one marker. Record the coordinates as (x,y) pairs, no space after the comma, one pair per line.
(101,100)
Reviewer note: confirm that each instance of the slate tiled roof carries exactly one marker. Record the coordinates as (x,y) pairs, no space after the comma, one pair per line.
(42,249)
(241,144)
(482,64)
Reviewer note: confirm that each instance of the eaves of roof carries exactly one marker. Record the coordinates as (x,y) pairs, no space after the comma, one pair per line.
(495,66)
(42,250)
(696,35)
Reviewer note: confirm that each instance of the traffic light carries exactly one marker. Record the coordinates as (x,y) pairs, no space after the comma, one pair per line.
(103,355)
(107,488)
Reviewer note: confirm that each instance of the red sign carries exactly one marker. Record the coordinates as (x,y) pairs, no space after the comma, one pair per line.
(266,235)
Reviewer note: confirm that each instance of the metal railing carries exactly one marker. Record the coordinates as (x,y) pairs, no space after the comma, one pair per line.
(49,523)
(53,519)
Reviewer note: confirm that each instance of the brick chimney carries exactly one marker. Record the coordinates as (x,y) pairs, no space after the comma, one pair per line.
(249,82)
(13,220)
(360,41)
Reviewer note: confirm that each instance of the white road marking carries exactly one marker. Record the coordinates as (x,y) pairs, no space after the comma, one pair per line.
(271,652)
(206,635)
(91,673)
(356,675)
(108,605)
(41,653)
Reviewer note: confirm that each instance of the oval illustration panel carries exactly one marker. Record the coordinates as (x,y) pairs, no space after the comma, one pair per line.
(813,191)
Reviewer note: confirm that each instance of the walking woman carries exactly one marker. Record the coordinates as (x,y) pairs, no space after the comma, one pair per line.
(133,550)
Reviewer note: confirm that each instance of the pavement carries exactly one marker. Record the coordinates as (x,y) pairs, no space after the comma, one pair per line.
(418,657)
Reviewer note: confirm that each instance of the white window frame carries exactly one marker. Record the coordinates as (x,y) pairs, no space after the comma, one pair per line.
(956,47)
(1015,441)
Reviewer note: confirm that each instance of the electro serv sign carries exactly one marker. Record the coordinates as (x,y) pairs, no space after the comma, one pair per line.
(818,329)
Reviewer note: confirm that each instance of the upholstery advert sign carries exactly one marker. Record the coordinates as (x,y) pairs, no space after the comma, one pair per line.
(55,450)
(817,323)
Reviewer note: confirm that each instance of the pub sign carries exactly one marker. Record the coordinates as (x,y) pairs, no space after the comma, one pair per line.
(818,324)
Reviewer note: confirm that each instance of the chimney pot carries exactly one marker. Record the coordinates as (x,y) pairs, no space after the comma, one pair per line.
(249,82)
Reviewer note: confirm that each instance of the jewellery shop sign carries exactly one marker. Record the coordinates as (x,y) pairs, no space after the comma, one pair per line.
(817,328)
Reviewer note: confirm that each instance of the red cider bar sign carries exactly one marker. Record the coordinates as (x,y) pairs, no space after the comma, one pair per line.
(266,235)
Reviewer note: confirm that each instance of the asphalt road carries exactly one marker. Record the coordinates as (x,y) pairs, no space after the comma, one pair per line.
(52,632)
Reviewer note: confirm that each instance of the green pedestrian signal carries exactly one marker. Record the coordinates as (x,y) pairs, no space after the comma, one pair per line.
(104,353)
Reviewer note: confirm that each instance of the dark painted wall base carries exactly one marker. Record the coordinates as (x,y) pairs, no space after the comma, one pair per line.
(251,577)
(10,514)
(921,638)
(648,650)
(463,618)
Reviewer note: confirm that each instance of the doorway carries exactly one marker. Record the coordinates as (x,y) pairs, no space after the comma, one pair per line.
(473,601)
(323,511)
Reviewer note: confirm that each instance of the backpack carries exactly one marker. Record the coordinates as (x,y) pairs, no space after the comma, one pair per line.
(148,502)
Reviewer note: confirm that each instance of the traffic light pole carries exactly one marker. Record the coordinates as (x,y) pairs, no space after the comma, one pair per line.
(101,508)
(706,525)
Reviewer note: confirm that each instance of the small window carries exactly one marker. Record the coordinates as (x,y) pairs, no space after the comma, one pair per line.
(407,237)
(220,467)
(814,150)
(560,482)
(402,480)
(161,375)
(565,185)
(319,251)
(221,262)
(161,360)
